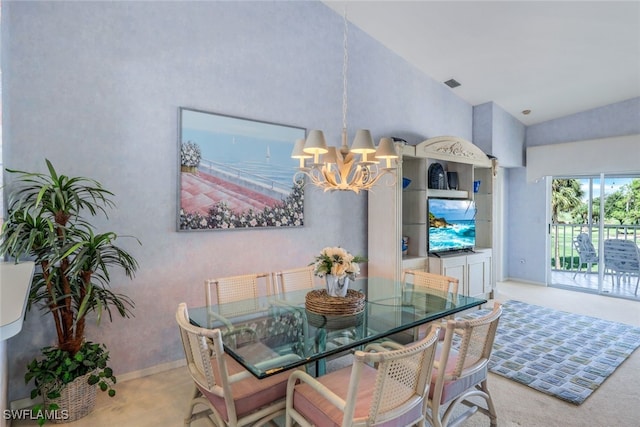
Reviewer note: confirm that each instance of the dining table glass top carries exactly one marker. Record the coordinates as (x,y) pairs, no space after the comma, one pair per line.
(270,334)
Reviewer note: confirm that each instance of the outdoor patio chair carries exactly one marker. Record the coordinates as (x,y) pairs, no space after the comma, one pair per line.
(461,372)
(586,252)
(622,260)
(386,386)
(229,393)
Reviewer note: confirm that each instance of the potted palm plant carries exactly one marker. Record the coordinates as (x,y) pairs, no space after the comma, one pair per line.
(46,222)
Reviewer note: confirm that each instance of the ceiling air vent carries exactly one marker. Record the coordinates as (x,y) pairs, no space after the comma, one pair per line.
(452,83)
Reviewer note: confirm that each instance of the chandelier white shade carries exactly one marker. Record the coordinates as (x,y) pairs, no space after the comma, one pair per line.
(338,170)
(356,169)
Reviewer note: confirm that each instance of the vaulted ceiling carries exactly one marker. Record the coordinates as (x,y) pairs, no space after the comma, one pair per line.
(553,58)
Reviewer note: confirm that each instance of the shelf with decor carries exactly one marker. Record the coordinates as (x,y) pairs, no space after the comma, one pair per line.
(401,211)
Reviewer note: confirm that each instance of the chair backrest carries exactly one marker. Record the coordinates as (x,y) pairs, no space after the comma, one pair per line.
(476,338)
(402,379)
(246,288)
(621,255)
(294,279)
(201,348)
(586,251)
(431,280)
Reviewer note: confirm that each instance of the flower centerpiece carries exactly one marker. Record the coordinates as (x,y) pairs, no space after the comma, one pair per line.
(337,266)
(190,156)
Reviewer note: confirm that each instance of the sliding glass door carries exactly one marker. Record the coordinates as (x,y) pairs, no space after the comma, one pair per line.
(587,211)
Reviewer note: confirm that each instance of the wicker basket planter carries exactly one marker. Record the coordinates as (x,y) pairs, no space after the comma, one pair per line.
(77,399)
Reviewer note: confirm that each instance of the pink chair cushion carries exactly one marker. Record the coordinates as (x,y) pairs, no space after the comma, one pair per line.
(321,413)
(249,394)
(454,388)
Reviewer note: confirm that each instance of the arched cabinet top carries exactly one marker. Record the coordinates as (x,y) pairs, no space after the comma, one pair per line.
(454,149)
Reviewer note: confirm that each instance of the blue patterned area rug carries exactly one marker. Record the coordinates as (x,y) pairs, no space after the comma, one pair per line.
(558,353)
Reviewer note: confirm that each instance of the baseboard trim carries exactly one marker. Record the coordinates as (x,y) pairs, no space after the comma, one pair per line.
(526,282)
(152,370)
(28,402)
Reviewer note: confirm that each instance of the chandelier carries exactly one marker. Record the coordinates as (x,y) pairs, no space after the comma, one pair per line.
(346,169)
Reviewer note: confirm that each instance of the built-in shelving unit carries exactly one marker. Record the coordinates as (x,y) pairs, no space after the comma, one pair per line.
(395,212)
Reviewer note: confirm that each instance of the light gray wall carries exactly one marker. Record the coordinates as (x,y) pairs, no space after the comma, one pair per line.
(621,118)
(95,87)
(498,133)
(526,224)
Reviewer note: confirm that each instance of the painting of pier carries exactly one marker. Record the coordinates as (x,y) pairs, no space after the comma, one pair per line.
(236,173)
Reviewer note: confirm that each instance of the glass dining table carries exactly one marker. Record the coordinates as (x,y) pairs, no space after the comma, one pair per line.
(270,334)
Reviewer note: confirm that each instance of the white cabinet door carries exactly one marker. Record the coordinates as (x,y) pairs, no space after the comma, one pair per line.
(454,266)
(478,274)
(472,271)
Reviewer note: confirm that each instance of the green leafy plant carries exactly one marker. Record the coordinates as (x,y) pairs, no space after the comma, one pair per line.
(59,367)
(46,224)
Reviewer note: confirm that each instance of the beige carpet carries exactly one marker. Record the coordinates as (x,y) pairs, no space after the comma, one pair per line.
(161,399)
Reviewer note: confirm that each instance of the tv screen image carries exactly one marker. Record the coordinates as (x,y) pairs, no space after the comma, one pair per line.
(452,225)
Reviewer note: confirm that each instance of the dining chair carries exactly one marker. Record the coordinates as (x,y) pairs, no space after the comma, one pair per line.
(587,254)
(294,279)
(385,386)
(622,259)
(435,282)
(238,294)
(229,393)
(460,372)
(428,280)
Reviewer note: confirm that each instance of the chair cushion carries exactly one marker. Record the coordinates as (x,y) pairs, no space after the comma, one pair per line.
(250,393)
(454,388)
(321,413)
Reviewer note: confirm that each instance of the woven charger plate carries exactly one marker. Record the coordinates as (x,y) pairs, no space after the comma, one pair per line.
(319,302)
(334,321)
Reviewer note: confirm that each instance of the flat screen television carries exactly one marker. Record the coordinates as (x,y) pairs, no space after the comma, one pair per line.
(452,225)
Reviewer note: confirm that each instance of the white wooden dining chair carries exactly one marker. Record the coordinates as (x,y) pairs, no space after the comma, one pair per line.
(294,279)
(423,279)
(231,395)
(385,386)
(442,285)
(238,294)
(461,372)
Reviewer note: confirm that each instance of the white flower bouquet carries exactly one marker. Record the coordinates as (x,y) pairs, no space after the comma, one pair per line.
(337,262)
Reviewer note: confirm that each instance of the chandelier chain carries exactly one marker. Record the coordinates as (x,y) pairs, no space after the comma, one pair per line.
(345,60)
(342,172)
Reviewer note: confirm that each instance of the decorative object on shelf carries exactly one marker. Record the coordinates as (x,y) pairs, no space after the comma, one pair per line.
(190,156)
(405,245)
(405,182)
(476,186)
(436,176)
(339,169)
(452,180)
(46,223)
(338,266)
(243,180)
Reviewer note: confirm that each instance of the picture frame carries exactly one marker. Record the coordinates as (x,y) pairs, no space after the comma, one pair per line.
(236,173)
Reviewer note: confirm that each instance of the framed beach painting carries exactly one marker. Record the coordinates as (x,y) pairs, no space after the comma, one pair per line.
(236,173)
